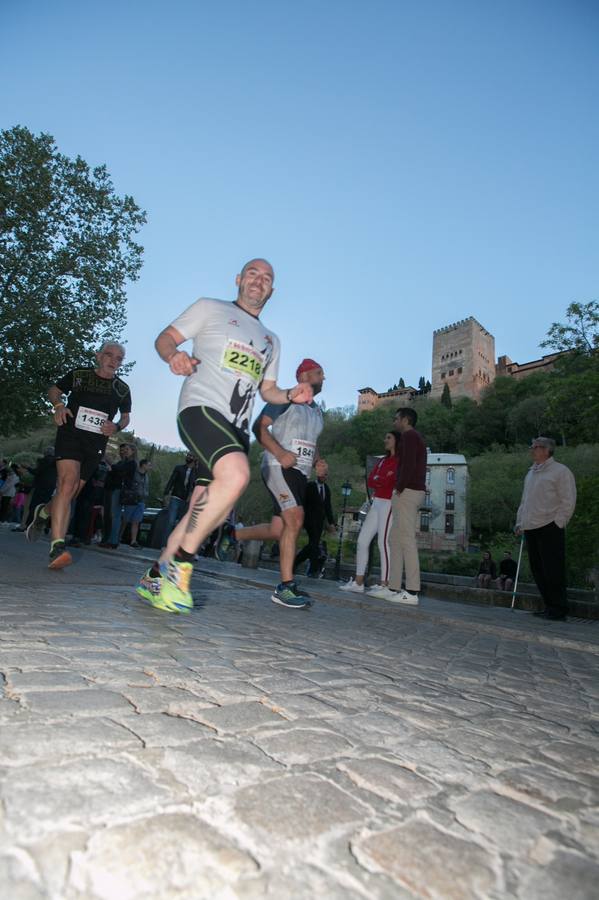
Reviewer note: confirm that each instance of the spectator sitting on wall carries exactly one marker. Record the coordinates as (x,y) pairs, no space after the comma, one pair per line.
(487,571)
(507,572)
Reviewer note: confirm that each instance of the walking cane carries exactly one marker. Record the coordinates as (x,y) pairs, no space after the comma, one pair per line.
(517,571)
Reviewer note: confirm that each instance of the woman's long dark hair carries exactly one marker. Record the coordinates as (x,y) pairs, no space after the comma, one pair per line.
(397,437)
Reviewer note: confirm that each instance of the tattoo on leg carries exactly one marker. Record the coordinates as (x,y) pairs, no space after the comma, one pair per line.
(196,510)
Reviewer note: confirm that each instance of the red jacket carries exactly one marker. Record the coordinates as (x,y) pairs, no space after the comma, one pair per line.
(383,476)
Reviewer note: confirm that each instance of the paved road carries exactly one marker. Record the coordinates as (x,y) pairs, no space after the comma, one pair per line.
(250,751)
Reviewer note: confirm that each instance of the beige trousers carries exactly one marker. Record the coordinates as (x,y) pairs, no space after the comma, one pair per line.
(402,540)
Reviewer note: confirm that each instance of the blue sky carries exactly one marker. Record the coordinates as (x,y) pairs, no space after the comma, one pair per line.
(403,166)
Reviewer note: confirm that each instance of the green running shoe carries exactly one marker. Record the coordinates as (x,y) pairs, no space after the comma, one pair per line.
(59,556)
(149,586)
(226,542)
(36,527)
(288,595)
(174,591)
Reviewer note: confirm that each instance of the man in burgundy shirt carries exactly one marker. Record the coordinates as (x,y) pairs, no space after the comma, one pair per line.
(406,501)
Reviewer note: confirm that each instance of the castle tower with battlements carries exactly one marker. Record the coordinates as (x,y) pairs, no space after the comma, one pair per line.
(463,358)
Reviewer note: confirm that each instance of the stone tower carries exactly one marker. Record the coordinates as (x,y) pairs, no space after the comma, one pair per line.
(463,358)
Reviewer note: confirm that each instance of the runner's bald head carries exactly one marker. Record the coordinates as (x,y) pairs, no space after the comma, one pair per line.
(258,259)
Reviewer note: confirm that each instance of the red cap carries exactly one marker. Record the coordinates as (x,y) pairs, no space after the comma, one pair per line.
(306,365)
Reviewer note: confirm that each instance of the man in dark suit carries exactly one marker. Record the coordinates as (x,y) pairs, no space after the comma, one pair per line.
(178,489)
(317,509)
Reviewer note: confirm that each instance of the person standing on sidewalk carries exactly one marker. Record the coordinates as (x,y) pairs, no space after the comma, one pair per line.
(120,477)
(95,395)
(406,501)
(134,498)
(289,433)
(234,356)
(547,504)
(381,481)
(178,489)
(317,510)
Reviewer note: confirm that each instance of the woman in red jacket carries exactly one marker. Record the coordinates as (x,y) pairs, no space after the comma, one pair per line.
(378,521)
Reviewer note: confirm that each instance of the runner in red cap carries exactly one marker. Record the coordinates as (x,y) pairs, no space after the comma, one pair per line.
(308,365)
(288,432)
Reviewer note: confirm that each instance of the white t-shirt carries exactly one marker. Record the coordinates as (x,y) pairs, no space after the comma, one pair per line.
(236,352)
(296,427)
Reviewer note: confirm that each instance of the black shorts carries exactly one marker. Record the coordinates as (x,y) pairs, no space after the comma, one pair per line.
(209,436)
(287,487)
(82,446)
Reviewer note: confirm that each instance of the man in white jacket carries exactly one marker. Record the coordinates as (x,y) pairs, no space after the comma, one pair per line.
(547,505)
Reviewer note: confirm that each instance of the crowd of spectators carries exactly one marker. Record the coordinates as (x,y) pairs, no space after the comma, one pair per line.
(111,501)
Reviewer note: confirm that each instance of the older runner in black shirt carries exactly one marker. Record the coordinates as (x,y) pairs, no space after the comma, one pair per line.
(84,426)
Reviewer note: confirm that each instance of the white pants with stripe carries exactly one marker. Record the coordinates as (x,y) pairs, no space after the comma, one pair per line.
(377,522)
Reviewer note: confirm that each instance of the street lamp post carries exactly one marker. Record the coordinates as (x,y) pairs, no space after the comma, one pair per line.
(346,491)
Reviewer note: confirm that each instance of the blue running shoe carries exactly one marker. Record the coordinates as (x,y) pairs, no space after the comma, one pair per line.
(288,595)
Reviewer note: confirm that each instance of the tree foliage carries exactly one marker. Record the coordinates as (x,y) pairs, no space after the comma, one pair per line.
(580,332)
(446,396)
(67,250)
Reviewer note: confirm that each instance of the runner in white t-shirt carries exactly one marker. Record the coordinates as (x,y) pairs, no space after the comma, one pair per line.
(289,434)
(233,357)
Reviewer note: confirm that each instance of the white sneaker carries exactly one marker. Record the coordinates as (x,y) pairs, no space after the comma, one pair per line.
(352,585)
(407,598)
(383,593)
(375,587)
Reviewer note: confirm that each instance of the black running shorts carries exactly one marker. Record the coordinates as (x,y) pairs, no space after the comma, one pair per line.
(209,436)
(287,487)
(82,446)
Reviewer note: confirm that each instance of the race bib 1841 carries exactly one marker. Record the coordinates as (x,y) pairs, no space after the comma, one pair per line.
(242,359)
(90,419)
(304,450)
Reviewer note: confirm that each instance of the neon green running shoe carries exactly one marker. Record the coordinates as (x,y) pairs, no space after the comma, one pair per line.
(148,586)
(174,590)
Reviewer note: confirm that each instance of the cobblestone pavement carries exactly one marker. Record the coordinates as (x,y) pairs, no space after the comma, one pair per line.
(249,751)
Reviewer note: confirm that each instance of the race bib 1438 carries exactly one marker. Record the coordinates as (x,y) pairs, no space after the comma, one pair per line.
(90,419)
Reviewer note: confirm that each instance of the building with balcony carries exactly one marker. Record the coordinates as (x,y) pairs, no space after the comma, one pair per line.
(444,521)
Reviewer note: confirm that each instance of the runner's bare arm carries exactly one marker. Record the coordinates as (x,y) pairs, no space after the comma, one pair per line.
(109,427)
(179,361)
(61,413)
(301,393)
(286,458)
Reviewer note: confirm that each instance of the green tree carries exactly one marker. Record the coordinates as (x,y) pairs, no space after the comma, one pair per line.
(66,252)
(446,396)
(580,332)
(573,396)
(528,419)
(367,430)
(336,431)
(582,534)
(401,383)
(435,425)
